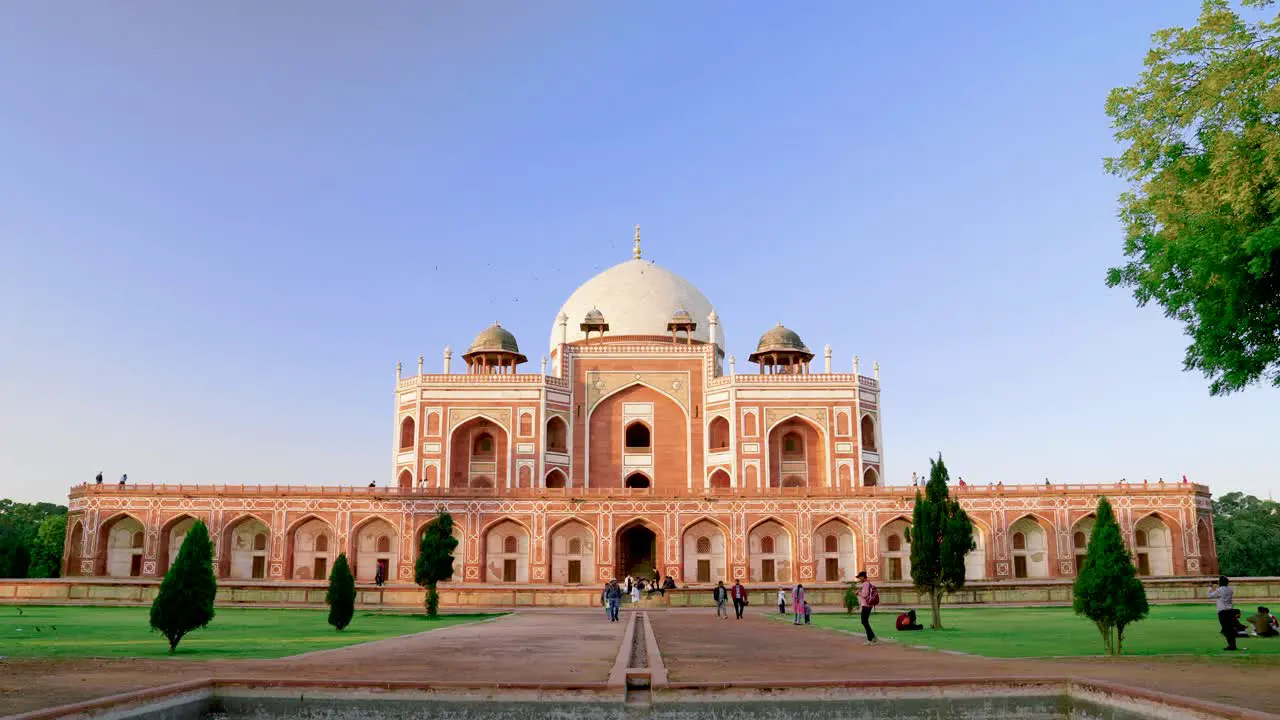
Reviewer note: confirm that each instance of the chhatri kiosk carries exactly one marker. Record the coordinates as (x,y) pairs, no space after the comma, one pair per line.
(637,446)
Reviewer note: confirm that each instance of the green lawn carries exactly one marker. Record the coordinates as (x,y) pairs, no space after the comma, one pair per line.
(78,631)
(1057,631)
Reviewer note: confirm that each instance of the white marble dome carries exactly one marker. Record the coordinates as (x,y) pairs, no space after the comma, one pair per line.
(636,297)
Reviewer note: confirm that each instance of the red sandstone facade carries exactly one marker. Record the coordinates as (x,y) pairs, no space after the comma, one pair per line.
(636,453)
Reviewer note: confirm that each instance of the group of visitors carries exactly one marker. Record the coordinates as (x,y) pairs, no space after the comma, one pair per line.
(631,588)
(800,609)
(97,480)
(722,595)
(1261,624)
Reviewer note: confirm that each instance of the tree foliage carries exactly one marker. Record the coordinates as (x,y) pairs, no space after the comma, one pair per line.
(1200,136)
(23,553)
(1107,589)
(435,559)
(341,596)
(185,600)
(46,548)
(941,535)
(1248,535)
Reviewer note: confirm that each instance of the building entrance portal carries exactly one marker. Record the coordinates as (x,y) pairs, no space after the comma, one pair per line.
(637,552)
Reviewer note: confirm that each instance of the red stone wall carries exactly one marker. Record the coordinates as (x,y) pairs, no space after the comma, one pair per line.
(815,453)
(669,438)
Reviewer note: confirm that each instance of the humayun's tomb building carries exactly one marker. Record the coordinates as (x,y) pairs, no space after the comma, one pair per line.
(638,445)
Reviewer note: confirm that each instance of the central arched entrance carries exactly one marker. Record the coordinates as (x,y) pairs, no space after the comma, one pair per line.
(637,551)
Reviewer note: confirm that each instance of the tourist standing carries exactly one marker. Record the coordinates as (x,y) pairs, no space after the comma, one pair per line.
(636,587)
(797,604)
(720,594)
(782,601)
(1225,595)
(868,597)
(739,595)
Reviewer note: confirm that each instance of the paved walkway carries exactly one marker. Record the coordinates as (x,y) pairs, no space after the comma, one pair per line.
(699,648)
(572,646)
(578,646)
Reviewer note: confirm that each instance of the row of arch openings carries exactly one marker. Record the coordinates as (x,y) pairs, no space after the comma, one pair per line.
(246,547)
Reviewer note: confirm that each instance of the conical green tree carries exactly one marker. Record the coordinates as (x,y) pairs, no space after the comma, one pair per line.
(341,596)
(941,535)
(1107,589)
(185,600)
(435,559)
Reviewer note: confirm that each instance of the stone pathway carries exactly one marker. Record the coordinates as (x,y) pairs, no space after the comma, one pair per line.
(699,648)
(579,646)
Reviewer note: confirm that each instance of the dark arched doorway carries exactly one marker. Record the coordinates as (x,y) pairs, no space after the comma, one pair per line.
(637,551)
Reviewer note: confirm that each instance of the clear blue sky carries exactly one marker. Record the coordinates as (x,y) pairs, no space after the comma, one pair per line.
(221,224)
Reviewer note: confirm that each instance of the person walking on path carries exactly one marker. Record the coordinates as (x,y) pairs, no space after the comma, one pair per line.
(782,601)
(720,594)
(1225,595)
(797,605)
(739,595)
(612,597)
(868,597)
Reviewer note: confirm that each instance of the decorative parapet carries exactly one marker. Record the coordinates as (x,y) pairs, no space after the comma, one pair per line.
(902,492)
(481,379)
(815,379)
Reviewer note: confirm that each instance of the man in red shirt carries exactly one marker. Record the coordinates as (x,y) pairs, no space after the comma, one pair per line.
(739,595)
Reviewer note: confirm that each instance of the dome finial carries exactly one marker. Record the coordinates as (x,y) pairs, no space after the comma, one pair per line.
(635,253)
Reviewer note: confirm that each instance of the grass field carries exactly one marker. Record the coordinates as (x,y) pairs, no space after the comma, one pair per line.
(76,631)
(1051,632)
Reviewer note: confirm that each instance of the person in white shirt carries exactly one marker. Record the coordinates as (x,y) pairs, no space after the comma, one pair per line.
(1225,596)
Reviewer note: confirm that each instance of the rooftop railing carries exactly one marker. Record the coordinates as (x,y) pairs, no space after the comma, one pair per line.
(903,491)
(481,379)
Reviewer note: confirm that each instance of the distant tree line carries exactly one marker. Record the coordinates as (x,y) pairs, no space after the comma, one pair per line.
(31,538)
(1248,535)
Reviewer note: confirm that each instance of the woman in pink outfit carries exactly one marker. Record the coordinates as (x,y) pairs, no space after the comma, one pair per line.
(797,604)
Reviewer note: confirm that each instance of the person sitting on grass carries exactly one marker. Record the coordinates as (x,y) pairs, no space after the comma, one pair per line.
(907,621)
(1241,629)
(1263,623)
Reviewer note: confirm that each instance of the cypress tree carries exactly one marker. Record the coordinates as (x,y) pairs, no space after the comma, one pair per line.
(1107,589)
(435,559)
(185,600)
(341,596)
(941,535)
